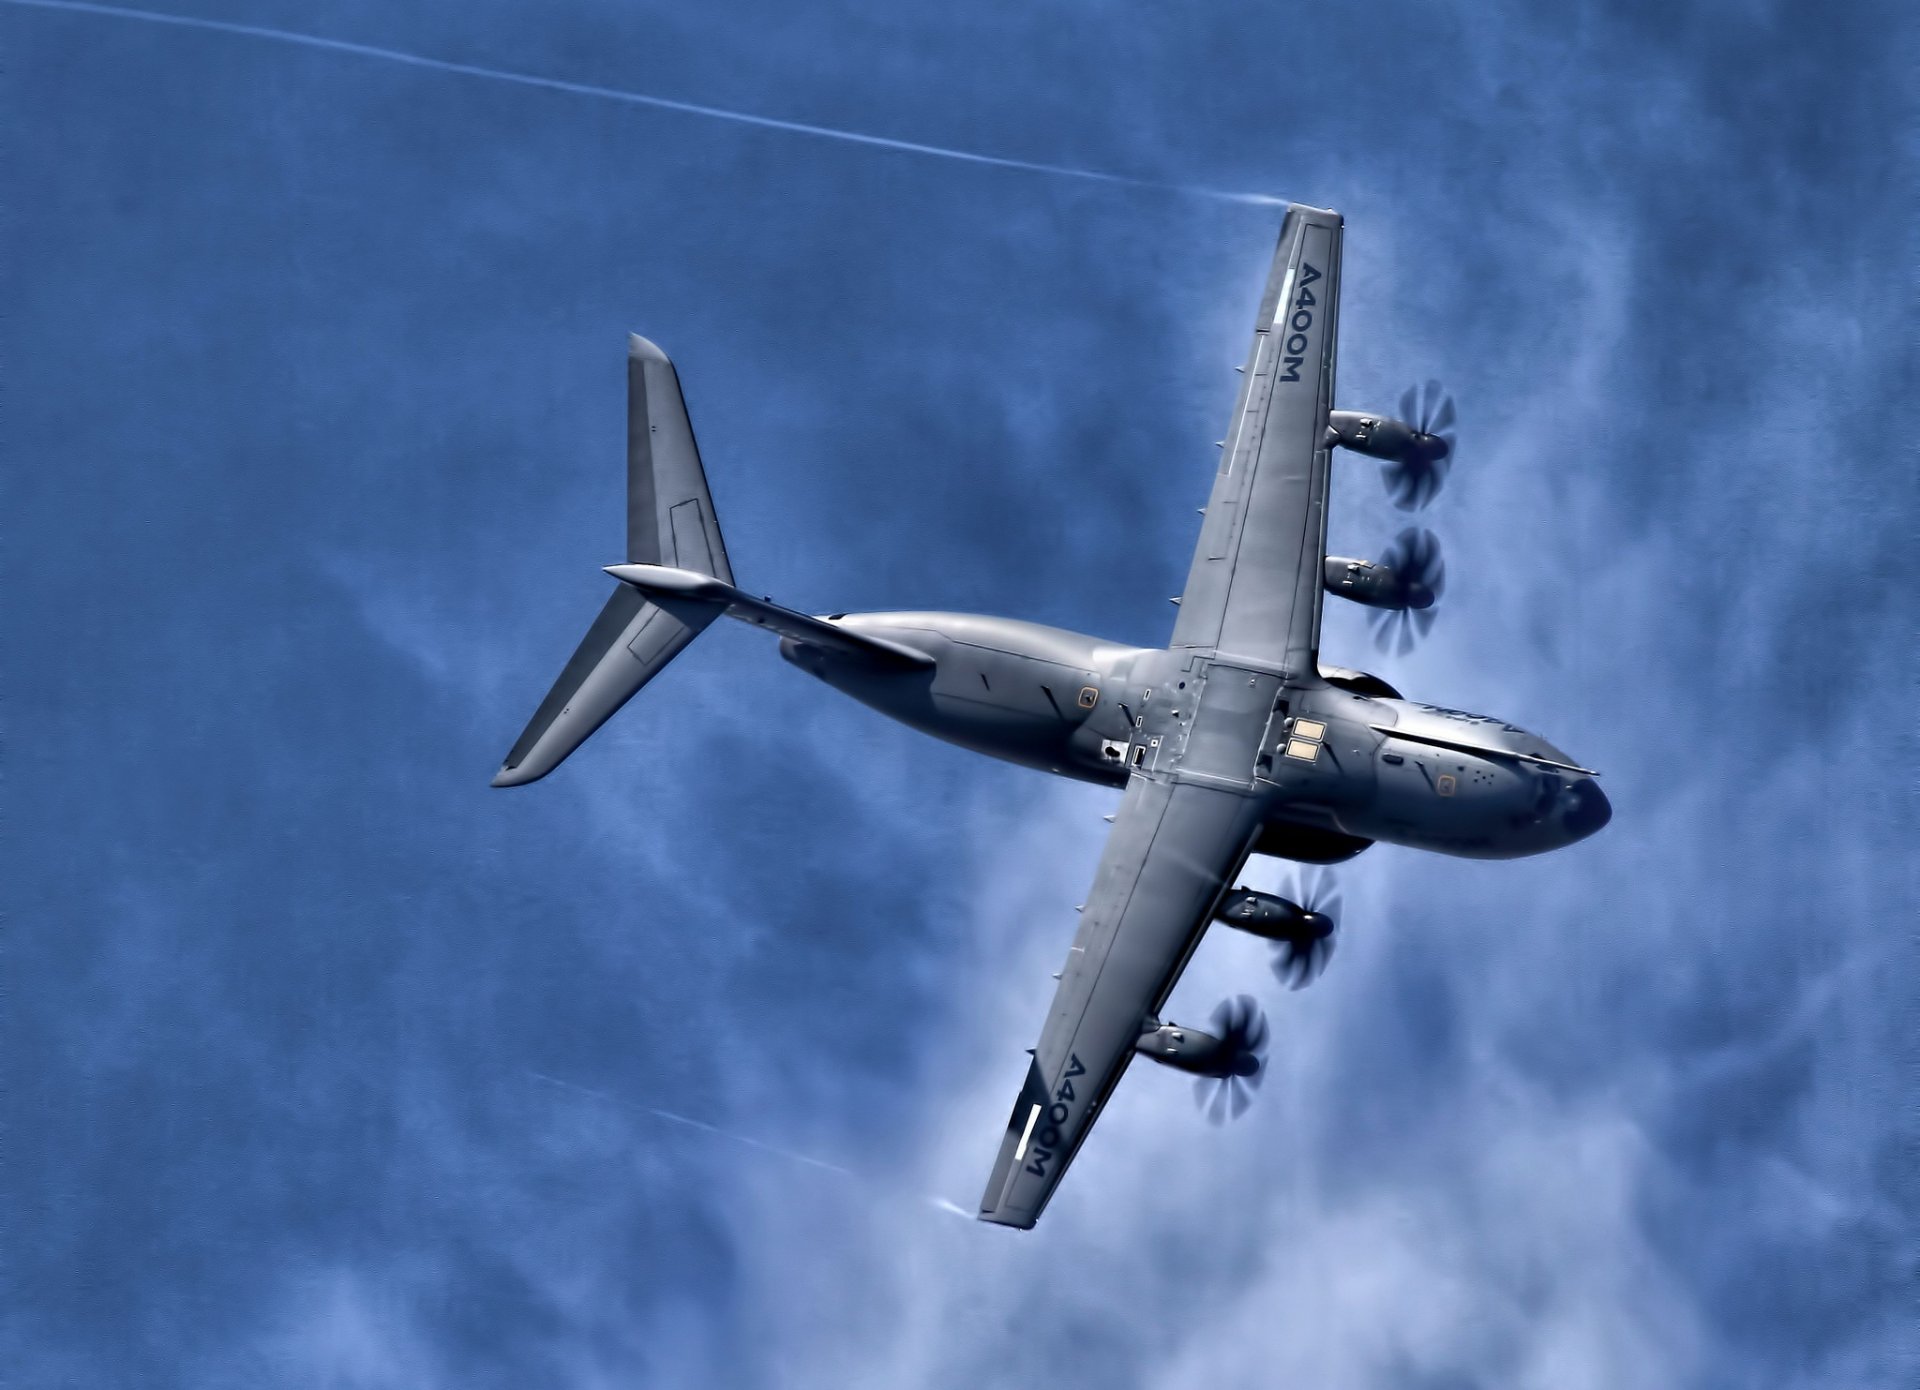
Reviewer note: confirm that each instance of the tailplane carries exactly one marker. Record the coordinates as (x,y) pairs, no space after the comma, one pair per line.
(671,523)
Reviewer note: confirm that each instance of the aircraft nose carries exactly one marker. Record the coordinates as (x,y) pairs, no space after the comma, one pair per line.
(1586,808)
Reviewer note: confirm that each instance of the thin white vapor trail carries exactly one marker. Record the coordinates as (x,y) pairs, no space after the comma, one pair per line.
(672,1117)
(585,89)
(692,1123)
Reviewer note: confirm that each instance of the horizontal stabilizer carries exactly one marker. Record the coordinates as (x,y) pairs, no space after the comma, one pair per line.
(667,585)
(628,645)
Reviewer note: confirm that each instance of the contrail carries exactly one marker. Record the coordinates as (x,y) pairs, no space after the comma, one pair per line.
(692,1123)
(940,1202)
(688,108)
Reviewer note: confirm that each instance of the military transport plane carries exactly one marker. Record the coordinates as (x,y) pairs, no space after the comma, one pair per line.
(1231,741)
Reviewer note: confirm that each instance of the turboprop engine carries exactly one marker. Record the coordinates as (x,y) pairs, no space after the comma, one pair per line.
(1381,436)
(1227,1062)
(1190,1050)
(1372,583)
(1417,447)
(1273,917)
(1402,587)
(1302,932)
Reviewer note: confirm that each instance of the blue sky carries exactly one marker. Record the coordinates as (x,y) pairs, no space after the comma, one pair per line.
(328,1065)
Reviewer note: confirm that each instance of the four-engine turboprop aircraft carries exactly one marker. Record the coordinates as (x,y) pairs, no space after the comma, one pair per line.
(1232,740)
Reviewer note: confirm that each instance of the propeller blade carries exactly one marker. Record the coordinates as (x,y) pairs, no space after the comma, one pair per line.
(1297,963)
(1241,1026)
(1416,562)
(1415,480)
(1392,633)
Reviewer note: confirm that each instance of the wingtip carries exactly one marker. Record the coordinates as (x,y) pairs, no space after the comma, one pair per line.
(1295,205)
(642,350)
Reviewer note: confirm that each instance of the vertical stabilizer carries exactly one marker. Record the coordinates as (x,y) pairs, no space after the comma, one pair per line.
(670,518)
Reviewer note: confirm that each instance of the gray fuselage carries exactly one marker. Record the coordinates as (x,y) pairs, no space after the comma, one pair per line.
(1339,768)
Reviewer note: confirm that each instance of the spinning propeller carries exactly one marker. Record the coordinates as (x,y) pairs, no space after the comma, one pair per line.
(1414,558)
(1415,478)
(1297,962)
(1227,1087)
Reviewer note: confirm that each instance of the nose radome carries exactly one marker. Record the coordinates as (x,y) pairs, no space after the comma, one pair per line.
(1587,808)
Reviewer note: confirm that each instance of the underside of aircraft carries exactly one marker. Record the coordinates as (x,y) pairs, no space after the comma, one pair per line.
(1232,740)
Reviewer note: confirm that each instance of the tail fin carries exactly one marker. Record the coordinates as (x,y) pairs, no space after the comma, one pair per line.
(670,521)
(670,518)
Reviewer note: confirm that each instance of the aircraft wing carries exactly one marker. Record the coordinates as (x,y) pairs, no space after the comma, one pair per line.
(1254,589)
(1173,850)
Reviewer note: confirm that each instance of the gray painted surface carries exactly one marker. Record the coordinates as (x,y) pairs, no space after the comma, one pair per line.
(670,520)
(1228,740)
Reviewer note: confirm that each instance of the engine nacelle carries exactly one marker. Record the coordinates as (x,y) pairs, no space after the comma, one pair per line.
(1381,436)
(1363,581)
(1188,1050)
(1275,918)
(1372,583)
